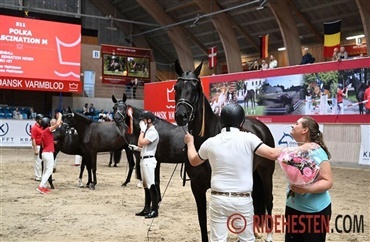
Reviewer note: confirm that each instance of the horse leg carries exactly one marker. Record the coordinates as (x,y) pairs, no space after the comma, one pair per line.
(50,180)
(265,172)
(361,107)
(201,201)
(117,157)
(110,158)
(82,168)
(131,165)
(93,170)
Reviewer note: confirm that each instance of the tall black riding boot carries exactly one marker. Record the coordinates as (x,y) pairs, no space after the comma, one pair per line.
(146,209)
(154,196)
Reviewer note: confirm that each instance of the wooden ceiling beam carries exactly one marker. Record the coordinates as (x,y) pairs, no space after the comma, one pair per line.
(175,33)
(288,29)
(364,9)
(227,35)
(180,6)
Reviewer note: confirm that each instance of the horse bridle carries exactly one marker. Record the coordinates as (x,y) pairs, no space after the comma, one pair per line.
(185,102)
(119,112)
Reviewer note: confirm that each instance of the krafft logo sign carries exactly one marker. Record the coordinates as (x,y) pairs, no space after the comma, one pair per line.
(15,133)
(4,129)
(32,58)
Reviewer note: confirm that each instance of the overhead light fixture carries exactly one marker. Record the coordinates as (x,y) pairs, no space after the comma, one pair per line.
(260,8)
(355,37)
(281,49)
(111,27)
(195,21)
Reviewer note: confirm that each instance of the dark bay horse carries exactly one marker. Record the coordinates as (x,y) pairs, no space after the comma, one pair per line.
(96,137)
(249,96)
(171,137)
(360,88)
(193,108)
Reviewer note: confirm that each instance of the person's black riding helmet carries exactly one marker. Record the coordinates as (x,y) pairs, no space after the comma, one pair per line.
(45,121)
(232,115)
(39,116)
(147,115)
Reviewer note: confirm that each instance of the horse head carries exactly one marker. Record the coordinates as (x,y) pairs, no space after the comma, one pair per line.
(120,109)
(188,90)
(68,118)
(60,132)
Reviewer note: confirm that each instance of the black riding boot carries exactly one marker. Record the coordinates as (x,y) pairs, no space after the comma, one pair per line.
(154,196)
(146,209)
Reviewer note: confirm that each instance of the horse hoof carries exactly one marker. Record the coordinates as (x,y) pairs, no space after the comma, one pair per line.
(52,187)
(115,165)
(54,170)
(92,186)
(109,165)
(124,184)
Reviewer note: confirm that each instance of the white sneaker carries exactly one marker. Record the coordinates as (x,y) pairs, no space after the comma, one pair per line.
(140,184)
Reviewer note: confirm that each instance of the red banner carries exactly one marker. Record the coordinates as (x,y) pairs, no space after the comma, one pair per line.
(164,104)
(212,57)
(39,55)
(353,50)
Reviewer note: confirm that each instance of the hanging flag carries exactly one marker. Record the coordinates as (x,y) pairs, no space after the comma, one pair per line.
(331,37)
(212,57)
(264,46)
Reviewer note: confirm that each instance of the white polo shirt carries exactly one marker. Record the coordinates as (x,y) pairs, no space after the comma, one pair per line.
(230,154)
(152,135)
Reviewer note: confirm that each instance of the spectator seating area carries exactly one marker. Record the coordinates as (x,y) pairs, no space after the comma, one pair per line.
(6,112)
(94,117)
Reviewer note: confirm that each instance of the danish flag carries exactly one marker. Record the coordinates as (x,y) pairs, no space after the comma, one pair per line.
(212,57)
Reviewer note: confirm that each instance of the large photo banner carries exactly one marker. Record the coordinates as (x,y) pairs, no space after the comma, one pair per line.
(333,92)
(121,64)
(39,55)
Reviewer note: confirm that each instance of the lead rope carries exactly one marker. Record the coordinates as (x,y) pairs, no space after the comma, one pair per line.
(164,193)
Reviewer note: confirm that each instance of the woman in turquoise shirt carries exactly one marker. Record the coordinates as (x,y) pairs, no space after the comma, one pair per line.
(308,211)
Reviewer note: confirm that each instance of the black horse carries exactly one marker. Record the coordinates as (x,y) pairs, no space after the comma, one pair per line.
(360,88)
(67,141)
(193,108)
(96,137)
(171,137)
(249,96)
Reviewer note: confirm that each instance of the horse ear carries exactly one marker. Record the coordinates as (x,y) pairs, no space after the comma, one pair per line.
(178,68)
(114,99)
(69,109)
(124,97)
(198,69)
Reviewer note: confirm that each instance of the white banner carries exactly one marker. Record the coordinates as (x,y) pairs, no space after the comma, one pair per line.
(364,157)
(15,133)
(281,134)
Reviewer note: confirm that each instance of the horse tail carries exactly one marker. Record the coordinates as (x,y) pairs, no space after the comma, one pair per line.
(137,169)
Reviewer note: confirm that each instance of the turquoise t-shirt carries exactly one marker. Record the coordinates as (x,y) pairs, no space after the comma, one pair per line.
(311,202)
